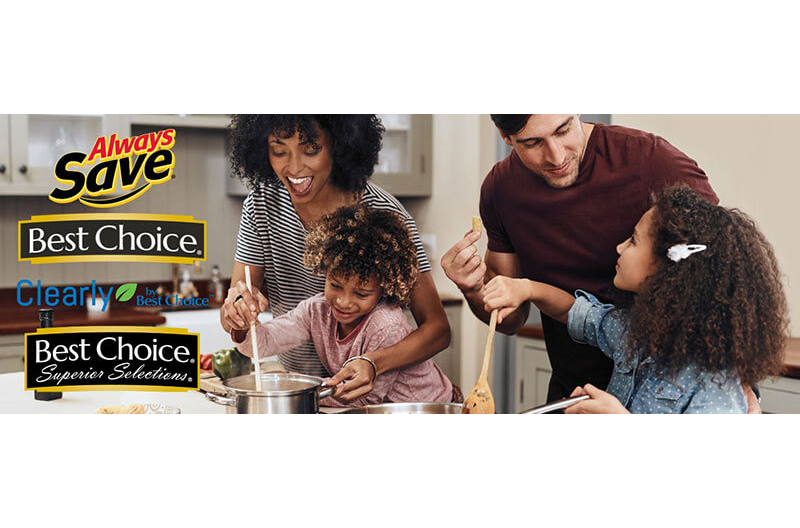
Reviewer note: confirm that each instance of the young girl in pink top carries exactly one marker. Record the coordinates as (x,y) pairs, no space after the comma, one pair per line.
(370,268)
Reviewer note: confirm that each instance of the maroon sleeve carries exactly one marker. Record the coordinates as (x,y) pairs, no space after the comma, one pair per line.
(666,166)
(498,238)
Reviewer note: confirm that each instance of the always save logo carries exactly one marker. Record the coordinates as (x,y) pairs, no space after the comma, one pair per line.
(111,162)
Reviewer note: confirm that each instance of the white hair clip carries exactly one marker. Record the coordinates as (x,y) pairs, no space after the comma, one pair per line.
(679,252)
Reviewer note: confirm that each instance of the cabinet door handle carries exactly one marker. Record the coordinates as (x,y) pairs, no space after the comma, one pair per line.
(23,169)
(2,169)
(422,164)
(522,390)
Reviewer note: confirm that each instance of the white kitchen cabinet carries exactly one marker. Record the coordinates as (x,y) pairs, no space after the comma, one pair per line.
(780,396)
(532,374)
(449,359)
(33,143)
(5,151)
(210,121)
(405,162)
(11,351)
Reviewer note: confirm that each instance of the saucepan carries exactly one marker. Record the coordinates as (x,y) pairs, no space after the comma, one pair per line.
(451,408)
(282,393)
(407,408)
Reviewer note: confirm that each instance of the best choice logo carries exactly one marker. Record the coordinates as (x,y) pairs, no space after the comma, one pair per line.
(112,358)
(107,237)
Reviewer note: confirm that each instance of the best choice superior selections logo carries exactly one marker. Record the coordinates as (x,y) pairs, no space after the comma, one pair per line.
(109,158)
(107,237)
(112,358)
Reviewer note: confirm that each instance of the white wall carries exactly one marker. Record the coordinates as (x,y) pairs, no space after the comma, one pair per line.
(750,162)
(463,152)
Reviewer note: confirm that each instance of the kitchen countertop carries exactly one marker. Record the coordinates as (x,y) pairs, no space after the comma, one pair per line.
(791,360)
(450,300)
(22,320)
(14,399)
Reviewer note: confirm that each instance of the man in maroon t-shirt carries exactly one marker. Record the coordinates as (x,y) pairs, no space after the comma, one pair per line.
(554,211)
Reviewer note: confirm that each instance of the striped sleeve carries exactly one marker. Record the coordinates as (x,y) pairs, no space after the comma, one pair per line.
(249,248)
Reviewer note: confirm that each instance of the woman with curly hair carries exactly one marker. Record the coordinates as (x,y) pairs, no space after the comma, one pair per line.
(709,315)
(300,168)
(370,267)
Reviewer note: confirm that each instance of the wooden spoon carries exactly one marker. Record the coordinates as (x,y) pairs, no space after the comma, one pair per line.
(480,399)
(256,361)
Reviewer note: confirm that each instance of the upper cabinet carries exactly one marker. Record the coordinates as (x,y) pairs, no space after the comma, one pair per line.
(5,152)
(181,120)
(405,162)
(31,144)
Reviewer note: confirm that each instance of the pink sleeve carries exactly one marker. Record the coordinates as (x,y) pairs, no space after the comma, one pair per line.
(283,333)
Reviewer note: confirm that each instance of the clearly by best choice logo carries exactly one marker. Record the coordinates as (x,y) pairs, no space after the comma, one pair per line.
(37,294)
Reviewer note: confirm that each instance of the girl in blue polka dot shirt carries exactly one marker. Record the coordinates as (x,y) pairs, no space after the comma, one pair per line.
(709,316)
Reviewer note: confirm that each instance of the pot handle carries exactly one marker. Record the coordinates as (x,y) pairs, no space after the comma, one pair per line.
(326,392)
(222,400)
(556,405)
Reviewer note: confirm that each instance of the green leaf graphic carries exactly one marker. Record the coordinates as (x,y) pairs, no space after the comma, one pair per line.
(125,292)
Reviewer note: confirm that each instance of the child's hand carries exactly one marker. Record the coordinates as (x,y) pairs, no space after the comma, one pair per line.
(506,294)
(601,402)
(358,378)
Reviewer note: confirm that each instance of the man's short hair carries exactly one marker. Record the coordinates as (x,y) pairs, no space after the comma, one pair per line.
(510,123)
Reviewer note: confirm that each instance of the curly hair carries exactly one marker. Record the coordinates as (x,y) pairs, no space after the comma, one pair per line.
(355,145)
(364,242)
(723,309)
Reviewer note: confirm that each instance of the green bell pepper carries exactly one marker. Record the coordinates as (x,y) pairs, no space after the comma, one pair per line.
(230,363)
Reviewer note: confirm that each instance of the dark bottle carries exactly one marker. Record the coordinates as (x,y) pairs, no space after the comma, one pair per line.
(46,321)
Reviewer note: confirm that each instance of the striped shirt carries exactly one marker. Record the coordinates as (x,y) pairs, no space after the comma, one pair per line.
(272,236)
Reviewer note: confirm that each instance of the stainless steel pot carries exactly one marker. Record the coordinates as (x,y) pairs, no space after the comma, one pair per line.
(451,408)
(282,393)
(407,408)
